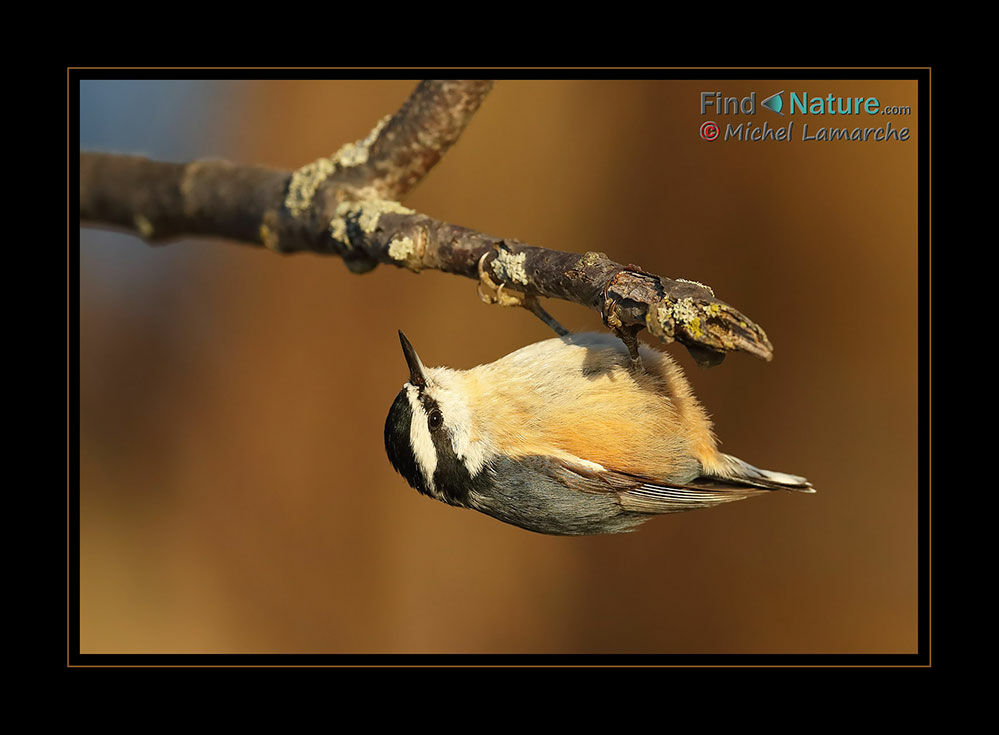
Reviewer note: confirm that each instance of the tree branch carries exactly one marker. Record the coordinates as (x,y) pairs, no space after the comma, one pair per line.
(412,141)
(344,206)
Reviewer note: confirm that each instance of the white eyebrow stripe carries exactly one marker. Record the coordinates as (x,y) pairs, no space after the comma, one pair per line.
(445,389)
(420,439)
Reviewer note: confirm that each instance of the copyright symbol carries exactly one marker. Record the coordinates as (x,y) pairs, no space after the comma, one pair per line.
(709,130)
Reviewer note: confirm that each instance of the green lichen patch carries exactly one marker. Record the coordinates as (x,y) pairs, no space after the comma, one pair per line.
(144,226)
(659,320)
(401,248)
(407,251)
(685,311)
(509,267)
(364,215)
(269,237)
(685,315)
(356,154)
(590,258)
(306,180)
(304,183)
(694,325)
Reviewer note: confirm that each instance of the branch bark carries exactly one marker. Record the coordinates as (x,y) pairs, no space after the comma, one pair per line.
(345,205)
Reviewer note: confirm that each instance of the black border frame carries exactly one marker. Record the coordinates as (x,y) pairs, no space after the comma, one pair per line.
(922,658)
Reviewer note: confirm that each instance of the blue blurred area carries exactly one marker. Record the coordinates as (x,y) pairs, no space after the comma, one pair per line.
(170,120)
(173,120)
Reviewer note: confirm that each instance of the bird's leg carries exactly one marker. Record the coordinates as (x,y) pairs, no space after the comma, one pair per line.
(490,293)
(628,335)
(532,305)
(630,339)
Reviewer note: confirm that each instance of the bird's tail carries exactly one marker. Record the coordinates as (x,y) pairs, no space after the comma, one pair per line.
(739,472)
(724,480)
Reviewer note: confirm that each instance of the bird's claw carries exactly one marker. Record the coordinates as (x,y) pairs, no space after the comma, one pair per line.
(491,293)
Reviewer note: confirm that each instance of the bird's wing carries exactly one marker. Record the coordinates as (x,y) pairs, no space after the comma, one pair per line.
(647,495)
(661,497)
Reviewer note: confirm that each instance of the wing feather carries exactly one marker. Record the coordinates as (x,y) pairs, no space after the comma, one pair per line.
(739,481)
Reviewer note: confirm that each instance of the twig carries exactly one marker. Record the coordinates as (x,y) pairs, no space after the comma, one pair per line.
(413,140)
(338,206)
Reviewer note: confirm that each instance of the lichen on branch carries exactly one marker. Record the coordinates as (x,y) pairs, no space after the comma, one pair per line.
(347,205)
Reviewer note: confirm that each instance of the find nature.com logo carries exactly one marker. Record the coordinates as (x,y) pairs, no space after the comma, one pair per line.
(800,103)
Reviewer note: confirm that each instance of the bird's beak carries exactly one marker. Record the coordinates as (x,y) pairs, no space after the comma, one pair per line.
(417,374)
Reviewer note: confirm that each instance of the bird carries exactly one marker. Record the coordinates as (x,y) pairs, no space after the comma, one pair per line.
(569,436)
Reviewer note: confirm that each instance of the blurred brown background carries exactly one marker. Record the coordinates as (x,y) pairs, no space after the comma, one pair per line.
(234,489)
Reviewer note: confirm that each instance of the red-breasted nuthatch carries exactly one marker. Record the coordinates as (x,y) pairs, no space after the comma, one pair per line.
(568,436)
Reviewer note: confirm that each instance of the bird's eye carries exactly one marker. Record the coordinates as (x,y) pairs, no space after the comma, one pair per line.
(435,419)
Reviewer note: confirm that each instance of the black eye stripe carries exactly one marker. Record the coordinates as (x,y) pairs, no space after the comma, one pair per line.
(451,478)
